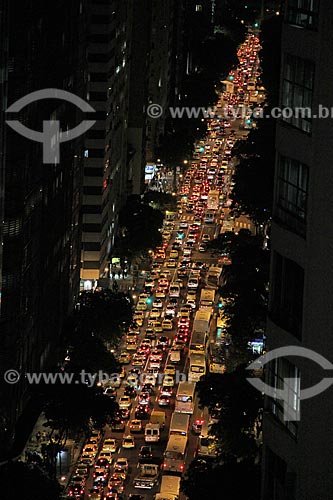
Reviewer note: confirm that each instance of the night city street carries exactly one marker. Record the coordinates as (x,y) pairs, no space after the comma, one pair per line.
(165,249)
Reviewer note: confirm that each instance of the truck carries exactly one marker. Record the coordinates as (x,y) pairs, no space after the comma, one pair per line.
(158,417)
(152,433)
(201,321)
(169,490)
(213,200)
(148,476)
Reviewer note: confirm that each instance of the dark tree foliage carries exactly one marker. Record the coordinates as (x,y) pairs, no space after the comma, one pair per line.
(230,480)
(163,201)
(245,290)
(71,408)
(240,404)
(254,174)
(140,226)
(239,400)
(28,481)
(104,313)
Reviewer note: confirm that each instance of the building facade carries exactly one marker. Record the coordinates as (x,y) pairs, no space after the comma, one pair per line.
(297,462)
(41,220)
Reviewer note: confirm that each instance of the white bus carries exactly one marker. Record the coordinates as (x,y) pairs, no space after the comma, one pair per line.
(174,455)
(179,424)
(197,367)
(207,298)
(198,343)
(185,398)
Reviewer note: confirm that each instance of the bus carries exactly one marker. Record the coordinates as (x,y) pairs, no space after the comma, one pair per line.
(179,424)
(207,298)
(216,358)
(213,200)
(185,398)
(174,455)
(198,343)
(197,367)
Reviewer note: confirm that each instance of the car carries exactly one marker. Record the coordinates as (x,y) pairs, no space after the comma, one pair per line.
(157,326)
(124,358)
(168,381)
(155,313)
(128,442)
(141,305)
(182,272)
(156,356)
(110,444)
(116,483)
(106,454)
(81,470)
(89,450)
(125,413)
(121,464)
(130,391)
(164,400)
(144,453)
(150,379)
(163,341)
(102,463)
(158,303)
(192,303)
(136,426)
(124,402)
(117,424)
(142,412)
(86,460)
(168,391)
(138,360)
(172,263)
(100,474)
(202,247)
(167,324)
(111,392)
(205,237)
(147,387)
(160,293)
(144,398)
(131,344)
(170,310)
(95,494)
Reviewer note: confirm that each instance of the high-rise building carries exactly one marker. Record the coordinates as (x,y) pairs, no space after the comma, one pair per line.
(297,463)
(3,106)
(41,221)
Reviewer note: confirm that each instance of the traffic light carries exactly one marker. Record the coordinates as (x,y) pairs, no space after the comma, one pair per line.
(149,300)
(256,24)
(220,305)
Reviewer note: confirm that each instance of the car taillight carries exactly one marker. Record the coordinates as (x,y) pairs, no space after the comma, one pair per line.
(181,467)
(164,464)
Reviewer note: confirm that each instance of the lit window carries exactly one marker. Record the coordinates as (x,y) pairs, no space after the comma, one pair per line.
(198,8)
(86,153)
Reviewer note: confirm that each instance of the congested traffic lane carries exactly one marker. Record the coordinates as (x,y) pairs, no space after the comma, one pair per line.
(212,169)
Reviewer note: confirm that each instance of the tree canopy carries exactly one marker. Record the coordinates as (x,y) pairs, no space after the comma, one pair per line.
(29,481)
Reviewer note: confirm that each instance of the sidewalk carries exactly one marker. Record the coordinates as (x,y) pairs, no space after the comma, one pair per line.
(67,458)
